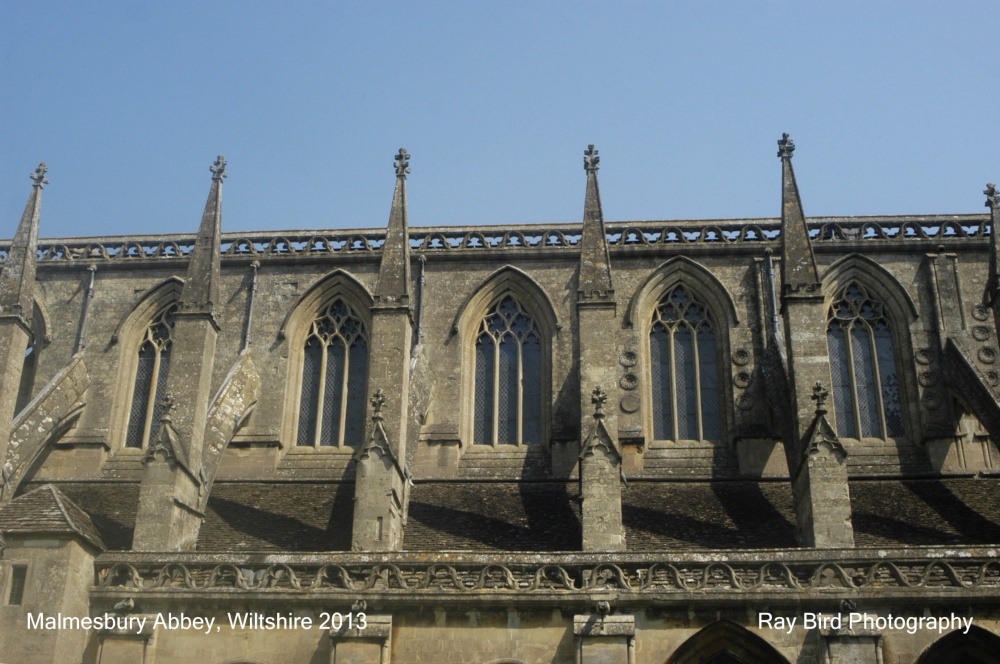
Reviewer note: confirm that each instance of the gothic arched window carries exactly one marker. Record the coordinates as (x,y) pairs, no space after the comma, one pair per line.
(866,390)
(151,370)
(508,407)
(684,370)
(334,374)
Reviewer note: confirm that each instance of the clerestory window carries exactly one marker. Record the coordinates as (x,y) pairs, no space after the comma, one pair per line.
(866,390)
(334,377)
(684,369)
(150,385)
(508,406)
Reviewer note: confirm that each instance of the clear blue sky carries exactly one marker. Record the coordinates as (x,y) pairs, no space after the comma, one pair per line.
(894,108)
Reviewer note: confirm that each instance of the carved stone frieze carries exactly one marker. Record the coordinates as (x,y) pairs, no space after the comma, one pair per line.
(960,572)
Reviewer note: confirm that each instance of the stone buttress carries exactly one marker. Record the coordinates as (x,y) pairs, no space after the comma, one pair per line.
(819,472)
(173,479)
(600,456)
(380,491)
(17,300)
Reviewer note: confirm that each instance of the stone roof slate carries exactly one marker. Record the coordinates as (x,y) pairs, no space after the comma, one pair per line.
(662,516)
(934,511)
(46,510)
(111,506)
(531,516)
(270,516)
(493,516)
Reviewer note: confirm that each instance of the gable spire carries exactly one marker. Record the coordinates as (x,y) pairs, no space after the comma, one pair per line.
(595,260)
(394,272)
(798,264)
(17,279)
(201,288)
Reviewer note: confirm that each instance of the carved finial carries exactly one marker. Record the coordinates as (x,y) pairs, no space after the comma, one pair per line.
(38,177)
(377,401)
(219,169)
(819,396)
(992,198)
(599,398)
(402,163)
(785,147)
(591,162)
(167,405)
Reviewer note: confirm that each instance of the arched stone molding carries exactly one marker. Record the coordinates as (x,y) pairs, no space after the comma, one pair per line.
(129,336)
(694,275)
(726,641)
(40,324)
(506,281)
(979,646)
(874,278)
(168,290)
(338,284)
(902,313)
(706,288)
(513,281)
(39,339)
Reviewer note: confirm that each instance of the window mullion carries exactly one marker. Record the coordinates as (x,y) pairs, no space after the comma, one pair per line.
(520,395)
(321,393)
(675,416)
(697,382)
(147,430)
(496,390)
(878,382)
(852,376)
(343,395)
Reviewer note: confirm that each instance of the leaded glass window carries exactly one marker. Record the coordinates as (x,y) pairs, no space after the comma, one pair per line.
(508,407)
(334,374)
(684,370)
(866,392)
(150,386)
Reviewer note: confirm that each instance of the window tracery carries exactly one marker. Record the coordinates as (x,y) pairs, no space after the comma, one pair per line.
(334,375)
(149,390)
(508,377)
(866,386)
(684,369)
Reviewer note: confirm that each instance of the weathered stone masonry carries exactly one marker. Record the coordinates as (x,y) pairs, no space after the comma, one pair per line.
(596,442)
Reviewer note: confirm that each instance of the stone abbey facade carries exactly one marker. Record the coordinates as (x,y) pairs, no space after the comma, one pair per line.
(641,442)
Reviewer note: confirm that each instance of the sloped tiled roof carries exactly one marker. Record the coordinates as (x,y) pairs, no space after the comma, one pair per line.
(956,510)
(46,510)
(262,516)
(111,506)
(527,516)
(662,516)
(493,516)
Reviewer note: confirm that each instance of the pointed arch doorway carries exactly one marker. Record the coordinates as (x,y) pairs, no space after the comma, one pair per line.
(725,642)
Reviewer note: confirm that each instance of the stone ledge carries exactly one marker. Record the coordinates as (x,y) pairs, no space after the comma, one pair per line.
(378,627)
(956,574)
(597,625)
